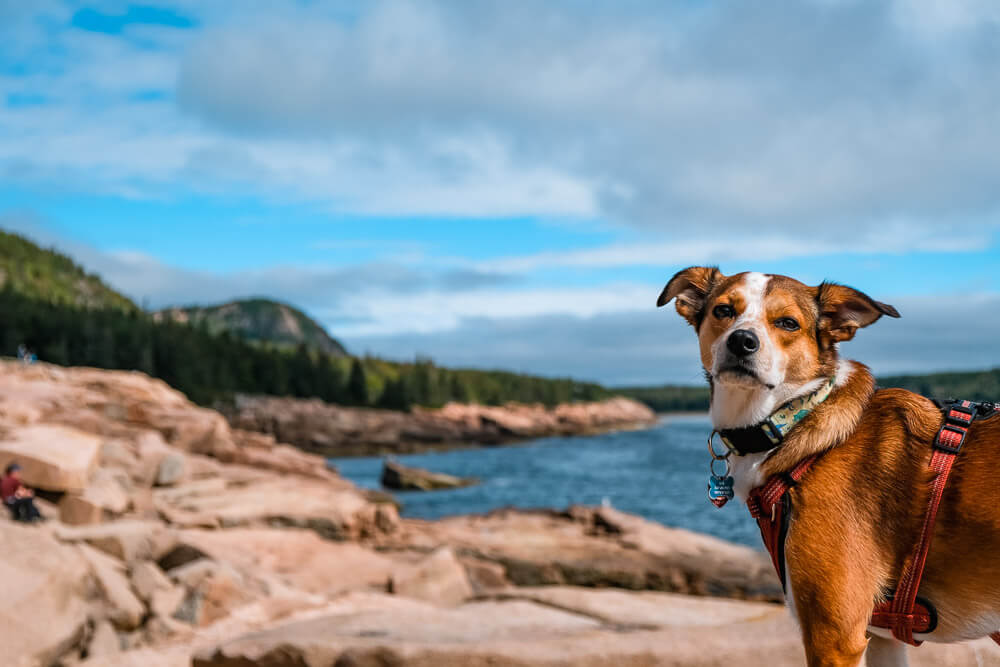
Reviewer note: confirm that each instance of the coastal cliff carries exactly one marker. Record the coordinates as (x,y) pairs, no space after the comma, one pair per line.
(175,540)
(335,430)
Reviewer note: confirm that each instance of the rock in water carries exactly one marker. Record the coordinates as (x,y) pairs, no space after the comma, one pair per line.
(400,477)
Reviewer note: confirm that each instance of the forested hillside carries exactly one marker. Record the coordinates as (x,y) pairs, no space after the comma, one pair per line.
(261,320)
(211,367)
(975,385)
(46,274)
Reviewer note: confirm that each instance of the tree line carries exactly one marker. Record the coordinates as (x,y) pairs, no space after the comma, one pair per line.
(210,367)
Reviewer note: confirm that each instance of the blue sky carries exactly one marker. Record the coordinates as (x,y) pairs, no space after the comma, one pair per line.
(511,184)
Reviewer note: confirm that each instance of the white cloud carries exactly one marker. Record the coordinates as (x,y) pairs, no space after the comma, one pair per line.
(656,347)
(692,248)
(815,115)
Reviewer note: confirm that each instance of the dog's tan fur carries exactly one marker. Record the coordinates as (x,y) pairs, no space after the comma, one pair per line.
(858,512)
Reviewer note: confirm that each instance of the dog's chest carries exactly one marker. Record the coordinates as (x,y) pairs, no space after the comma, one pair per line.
(746,473)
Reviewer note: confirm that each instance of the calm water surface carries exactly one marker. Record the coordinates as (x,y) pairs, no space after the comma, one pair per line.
(658,473)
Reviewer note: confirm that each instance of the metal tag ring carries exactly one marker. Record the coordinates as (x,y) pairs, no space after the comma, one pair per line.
(711,449)
(711,466)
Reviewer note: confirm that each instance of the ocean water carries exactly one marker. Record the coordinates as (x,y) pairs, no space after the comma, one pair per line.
(659,473)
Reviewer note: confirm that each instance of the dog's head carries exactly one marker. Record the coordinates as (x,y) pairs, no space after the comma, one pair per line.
(767,338)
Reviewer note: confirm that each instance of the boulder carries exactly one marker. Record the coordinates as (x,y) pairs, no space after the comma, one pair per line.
(295,558)
(213,591)
(44,612)
(104,643)
(147,579)
(145,657)
(165,603)
(118,453)
(439,578)
(485,577)
(128,541)
(53,458)
(124,608)
(397,476)
(104,494)
(335,511)
(171,469)
(75,510)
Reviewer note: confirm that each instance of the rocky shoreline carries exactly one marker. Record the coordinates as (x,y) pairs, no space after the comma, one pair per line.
(336,431)
(175,540)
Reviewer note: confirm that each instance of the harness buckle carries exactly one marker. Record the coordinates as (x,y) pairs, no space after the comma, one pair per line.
(962,414)
(950,438)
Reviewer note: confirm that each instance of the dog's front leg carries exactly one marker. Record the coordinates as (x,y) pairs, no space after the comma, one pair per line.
(883,652)
(833,588)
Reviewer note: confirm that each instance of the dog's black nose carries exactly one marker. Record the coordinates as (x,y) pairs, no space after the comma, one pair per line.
(743,342)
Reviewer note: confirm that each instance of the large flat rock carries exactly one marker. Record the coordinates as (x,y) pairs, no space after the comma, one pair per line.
(298,559)
(597,547)
(54,458)
(547,628)
(335,511)
(44,588)
(368,628)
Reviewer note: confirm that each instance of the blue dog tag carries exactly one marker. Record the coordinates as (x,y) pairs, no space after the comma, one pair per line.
(720,490)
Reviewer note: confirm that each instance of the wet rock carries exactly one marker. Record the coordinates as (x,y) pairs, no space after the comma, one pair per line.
(403,478)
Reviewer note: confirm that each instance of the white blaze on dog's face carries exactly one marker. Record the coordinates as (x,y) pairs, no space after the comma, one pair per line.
(765,339)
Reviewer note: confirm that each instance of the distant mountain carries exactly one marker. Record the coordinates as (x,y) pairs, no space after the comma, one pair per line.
(260,320)
(47,275)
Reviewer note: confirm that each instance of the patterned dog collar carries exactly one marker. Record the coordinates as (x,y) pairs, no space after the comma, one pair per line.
(768,434)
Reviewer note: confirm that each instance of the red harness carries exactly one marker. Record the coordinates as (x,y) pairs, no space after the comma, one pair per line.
(903,612)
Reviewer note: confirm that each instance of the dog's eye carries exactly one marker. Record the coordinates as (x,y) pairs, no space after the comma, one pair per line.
(786,323)
(723,311)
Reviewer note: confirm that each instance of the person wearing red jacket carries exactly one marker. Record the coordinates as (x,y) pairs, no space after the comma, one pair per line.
(18,497)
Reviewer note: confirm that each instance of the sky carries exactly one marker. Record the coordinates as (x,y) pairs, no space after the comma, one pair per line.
(510,185)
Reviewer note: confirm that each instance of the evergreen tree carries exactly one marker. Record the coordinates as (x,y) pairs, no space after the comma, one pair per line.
(357,384)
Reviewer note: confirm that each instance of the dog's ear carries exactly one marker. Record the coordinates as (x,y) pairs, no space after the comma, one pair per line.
(691,287)
(842,310)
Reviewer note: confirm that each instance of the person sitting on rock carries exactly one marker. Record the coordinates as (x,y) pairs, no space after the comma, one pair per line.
(16,496)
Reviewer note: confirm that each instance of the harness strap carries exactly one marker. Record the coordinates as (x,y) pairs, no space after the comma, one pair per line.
(899,613)
(768,506)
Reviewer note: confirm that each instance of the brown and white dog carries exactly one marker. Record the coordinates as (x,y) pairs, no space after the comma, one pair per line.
(766,339)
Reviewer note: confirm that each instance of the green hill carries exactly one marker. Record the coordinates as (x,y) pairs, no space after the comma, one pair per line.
(50,276)
(973,385)
(258,320)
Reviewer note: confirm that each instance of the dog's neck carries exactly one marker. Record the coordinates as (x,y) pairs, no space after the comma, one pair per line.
(827,425)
